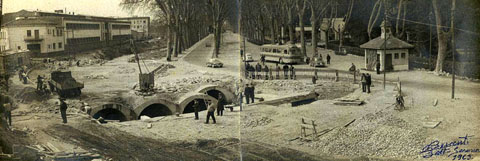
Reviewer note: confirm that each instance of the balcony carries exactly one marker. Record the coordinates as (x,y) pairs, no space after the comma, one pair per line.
(32,38)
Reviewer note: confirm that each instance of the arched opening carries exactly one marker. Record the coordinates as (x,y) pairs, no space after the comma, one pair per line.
(110,114)
(155,110)
(215,93)
(189,107)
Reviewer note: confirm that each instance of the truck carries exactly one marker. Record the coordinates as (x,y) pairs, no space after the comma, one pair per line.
(64,84)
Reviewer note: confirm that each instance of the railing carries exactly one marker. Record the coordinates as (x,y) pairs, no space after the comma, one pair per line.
(32,38)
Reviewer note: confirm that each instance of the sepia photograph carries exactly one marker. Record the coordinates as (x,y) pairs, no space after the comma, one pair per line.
(235,80)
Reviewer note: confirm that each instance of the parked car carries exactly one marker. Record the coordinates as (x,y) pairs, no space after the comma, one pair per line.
(317,62)
(214,63)
(248,57)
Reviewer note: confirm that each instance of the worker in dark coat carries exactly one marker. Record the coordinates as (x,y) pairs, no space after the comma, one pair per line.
(247,93)
(252,92)
(221,105)
(328,58)
(8,112)
(352,68)
(285,71)
(20,75)
(251,70)
(378,67)
(258,67)
(39,83)
(63,110)
(278,71)
(25,78)
(196,108)
(211,111)
(292,72)
(266,70)
(364,82)
(368,78)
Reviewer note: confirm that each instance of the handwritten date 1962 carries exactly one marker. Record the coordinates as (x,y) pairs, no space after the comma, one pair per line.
(451,149)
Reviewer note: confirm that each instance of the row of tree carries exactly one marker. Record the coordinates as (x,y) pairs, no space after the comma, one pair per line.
(187,21)
(413,21)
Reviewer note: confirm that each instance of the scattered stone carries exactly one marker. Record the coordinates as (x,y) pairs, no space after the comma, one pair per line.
(149,125)
(144,118)
(435,102)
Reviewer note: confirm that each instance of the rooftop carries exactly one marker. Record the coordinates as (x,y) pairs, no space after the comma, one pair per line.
(392,43)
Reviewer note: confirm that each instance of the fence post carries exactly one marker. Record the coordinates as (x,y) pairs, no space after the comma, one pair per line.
(336,75)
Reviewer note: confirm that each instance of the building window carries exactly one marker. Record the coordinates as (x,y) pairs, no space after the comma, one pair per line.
(144,21)
(396,56)
(59,45)
(19,48)
(403,56)
(29,33)
(53,45)
(53,32)
(81,26)
(49,46)
(48,31)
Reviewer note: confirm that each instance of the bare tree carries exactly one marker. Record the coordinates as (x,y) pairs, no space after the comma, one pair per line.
(442,37)
(341,29)
(377,8)
(218,10)
(317,9)
(301,7)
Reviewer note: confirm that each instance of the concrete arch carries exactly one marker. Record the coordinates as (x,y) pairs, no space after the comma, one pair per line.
(159,102)
(189,97)
(113,111)
(229,95)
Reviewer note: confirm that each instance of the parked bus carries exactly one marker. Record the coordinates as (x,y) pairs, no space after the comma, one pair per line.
(289,54)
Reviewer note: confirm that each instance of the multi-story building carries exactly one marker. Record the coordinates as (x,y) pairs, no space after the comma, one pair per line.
(140,26)
(44,32)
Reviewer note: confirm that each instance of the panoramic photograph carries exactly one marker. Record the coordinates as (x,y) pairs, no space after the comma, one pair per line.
(260,80)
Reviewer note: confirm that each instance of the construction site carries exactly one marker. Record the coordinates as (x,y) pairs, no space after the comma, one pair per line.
(152,99)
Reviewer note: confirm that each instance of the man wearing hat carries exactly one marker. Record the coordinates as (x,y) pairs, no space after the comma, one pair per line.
(63,109)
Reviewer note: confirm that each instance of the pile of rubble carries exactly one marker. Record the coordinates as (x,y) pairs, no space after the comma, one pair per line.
(282,85)
(379,134)
(188,84)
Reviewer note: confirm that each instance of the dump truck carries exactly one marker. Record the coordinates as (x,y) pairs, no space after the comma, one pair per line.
(64,84)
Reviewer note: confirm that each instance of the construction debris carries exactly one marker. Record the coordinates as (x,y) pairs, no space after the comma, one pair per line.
(349,102)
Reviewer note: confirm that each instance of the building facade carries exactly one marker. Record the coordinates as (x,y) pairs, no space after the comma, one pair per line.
(140,26)
(391,52)
(44,33)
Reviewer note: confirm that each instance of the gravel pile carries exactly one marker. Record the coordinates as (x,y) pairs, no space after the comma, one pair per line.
(282,85)
(189,84)
(380,134)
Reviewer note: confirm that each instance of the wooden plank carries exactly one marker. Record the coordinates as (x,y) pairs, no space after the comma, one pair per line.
(307,126)
(52,147)
(431,124)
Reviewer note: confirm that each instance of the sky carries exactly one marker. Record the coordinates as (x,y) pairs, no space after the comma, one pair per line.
(104,8)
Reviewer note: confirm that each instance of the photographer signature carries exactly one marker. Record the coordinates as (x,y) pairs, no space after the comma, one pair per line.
(450,149)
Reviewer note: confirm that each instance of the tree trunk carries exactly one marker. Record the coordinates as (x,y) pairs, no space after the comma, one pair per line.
(291,28)
(442,39)
(314,35)
(272,30)
(169,38)
(302,35)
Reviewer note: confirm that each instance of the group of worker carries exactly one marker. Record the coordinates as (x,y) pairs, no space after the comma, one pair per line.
(211,108)
(256,72)
(22,76)
(42,85)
